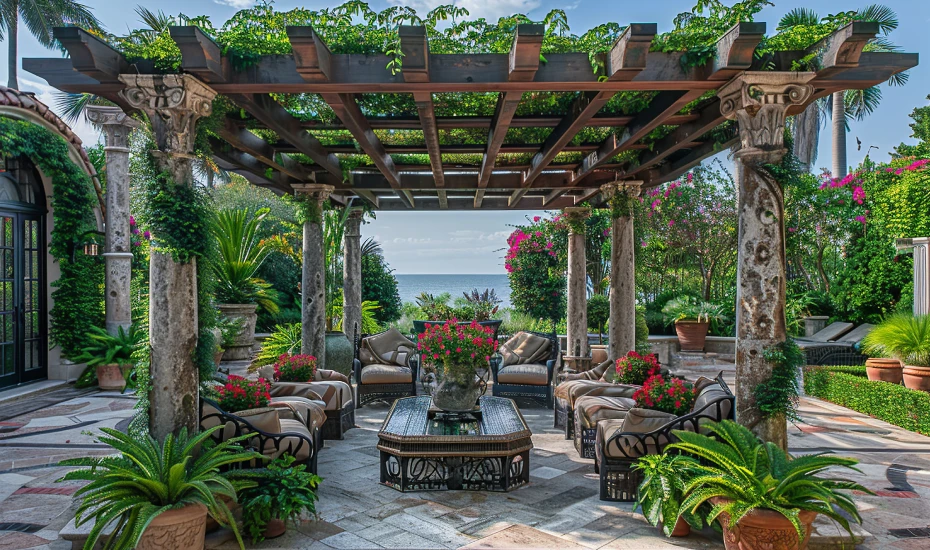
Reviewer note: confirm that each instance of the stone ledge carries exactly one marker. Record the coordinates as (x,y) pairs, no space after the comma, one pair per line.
(828,535)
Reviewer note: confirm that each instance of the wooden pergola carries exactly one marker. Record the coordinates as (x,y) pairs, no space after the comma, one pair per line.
(297,156)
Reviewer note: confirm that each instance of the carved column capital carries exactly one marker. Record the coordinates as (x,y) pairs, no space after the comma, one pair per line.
(354,222)
(619,196)
(759,101)
(115,123)
(316,191)
(575,216)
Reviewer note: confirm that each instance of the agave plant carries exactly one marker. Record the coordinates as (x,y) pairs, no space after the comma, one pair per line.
(147,479)
(903,336)
(241,255)
(749,474)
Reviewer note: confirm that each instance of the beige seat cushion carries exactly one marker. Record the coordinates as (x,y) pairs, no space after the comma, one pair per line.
(581,388)
(294,446)
(386,374)
(312,413)
(336,395)
(636,421)
(525,348)
(596,373)
(387,348)
(525,375)
(708,411)
(267,372)
(589,410)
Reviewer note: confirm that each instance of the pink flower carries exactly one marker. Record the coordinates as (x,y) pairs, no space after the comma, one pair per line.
(147,235)
(536,219)
(671,223)
(860,219)
(132,220)
(792,229)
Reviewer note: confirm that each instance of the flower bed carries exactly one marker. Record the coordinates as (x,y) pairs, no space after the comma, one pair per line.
(893,403)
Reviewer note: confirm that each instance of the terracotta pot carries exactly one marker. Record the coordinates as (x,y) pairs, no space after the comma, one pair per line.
(181,528)
(242,347)
(682,529)
(112,376)
(885,370)
(218,357)
(275,528)
(764,529)
(917,378)
(691,335)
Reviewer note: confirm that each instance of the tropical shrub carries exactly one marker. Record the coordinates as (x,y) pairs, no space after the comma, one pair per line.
(481,305)
(662,490)
(283,340)
(107,349)
(689,308)
(242,394)
(380,286)
(295,368)
(598,312)
(457,350)
(537,276)
(241,254)
(666,394)
(780,393)
(634,369)
(902,336)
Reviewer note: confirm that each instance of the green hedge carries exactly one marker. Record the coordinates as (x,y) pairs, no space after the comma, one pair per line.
(893,403)
(856,370)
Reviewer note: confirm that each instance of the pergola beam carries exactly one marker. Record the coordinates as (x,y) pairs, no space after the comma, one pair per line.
(248,142)
(200,55)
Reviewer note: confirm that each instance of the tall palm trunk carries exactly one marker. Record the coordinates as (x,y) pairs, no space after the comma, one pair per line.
(839,134)
(12,28)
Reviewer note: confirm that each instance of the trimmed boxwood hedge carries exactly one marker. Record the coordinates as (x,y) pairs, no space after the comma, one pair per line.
(893,403)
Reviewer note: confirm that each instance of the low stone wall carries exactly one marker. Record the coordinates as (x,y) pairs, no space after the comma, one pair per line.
(718,350)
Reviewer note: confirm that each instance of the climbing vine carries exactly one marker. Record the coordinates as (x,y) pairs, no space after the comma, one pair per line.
(621,204)
(307,208)
(778,396)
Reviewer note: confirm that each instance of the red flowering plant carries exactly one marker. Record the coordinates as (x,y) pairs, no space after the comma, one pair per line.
(295,368)
(457,350)
(671,395)
(240,394)
(634,369)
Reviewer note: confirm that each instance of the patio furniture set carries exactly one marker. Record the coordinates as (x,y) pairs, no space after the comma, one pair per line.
(424,448)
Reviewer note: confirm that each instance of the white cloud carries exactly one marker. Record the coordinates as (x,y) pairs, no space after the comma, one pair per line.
(411,240)
(238,4)
(492,10)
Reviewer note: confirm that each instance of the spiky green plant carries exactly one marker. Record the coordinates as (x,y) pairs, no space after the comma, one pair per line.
(902,336)
(662,490)
(369,322)
(241,255)
(748,474)
(107,349)
(147,479)
(284,339)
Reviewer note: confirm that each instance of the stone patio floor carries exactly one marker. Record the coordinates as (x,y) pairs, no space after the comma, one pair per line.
(558,509)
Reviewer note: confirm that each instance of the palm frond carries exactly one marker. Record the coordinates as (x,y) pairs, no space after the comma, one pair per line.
(886,18)
(798,16)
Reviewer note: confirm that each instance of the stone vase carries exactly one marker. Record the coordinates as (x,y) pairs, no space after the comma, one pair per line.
(691,334)
(241,349)
(885,370)
(765,530)
(112,377)
(181,528)
(452,395)
(339,353)
(917,378)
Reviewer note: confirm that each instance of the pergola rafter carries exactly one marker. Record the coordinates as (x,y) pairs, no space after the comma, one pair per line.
(503,169)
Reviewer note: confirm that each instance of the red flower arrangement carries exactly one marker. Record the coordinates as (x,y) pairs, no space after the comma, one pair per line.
(295,368)
(459,349)
(669,395)
(240,394)
(634,369)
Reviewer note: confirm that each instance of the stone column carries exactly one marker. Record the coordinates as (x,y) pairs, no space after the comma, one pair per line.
(313,276)
(759,101)
(352,275)
(173,104)
(577,281)
(621,328)
(118,257)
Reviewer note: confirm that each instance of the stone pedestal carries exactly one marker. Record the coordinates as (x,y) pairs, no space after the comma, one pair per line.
(621,327)
(173,104)
(577,324)
(313,276)
(352,275)
(118,257)
(759,101)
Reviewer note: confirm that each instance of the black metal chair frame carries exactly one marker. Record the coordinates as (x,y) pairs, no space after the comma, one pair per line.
(833,354)
(368,393)
(538,393)
(283,442)
(619,481)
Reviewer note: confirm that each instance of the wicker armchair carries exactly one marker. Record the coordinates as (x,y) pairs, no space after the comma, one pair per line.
(532,381)
(383,382)
(619,445)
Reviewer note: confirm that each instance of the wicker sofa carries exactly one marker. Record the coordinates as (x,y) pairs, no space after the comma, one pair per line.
(384,376)
(531,380)
(330,388)
(642,431)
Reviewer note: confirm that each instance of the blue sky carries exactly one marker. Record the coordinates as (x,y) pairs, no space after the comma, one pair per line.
(463,242)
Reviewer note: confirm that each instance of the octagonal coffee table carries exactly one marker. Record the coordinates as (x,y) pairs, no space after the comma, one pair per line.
(423,448)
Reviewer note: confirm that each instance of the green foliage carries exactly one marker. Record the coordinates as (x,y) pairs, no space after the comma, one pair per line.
(178,215)
(598,312)
(379,285)
(435,308)
(78,294)
(146,479)
(536,269)
(283,340)
(893,403)
(279,491)
(750,474)
(241,254)
(369,318)
(689,308)
(902,336)
(480,306)
(920,130)
(106,349)
(778,396)
(663,489)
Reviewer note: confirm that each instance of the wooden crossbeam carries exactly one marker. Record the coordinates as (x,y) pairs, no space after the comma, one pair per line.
(501,182)
(253,169)
(248,142)
(456,149)
(90,55)
(311,55)
(277,118)
(735,50)
(200,55)
(524,62)
(673,170)
(492,202)
(843,48)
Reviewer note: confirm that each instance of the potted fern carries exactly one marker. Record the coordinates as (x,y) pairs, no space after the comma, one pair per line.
(761,496)
(691,318)
(156,497)
(904,337)
(661,492)
(111,355)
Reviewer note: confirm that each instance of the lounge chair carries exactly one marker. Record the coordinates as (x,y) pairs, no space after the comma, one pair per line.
(837,344)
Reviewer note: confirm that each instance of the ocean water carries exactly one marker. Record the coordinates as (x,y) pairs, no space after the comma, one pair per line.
(410,286)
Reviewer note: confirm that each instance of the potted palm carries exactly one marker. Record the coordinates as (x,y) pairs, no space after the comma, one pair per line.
(111,355)
(692,318)
(904,337)
(760,495)
(156,497)
(661,492)
(239,290)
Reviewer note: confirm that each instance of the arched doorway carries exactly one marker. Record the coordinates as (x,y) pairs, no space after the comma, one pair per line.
(23,311)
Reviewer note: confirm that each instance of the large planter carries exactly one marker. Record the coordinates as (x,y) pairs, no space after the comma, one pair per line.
(885,370)
(691,335)
(452,395)
(112,377)
(682,529)
(765,530)
(241,349)
(181,528)
(275,528)
(917,378)
(339,353)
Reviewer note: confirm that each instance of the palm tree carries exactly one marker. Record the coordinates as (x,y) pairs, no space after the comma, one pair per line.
(39,16)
